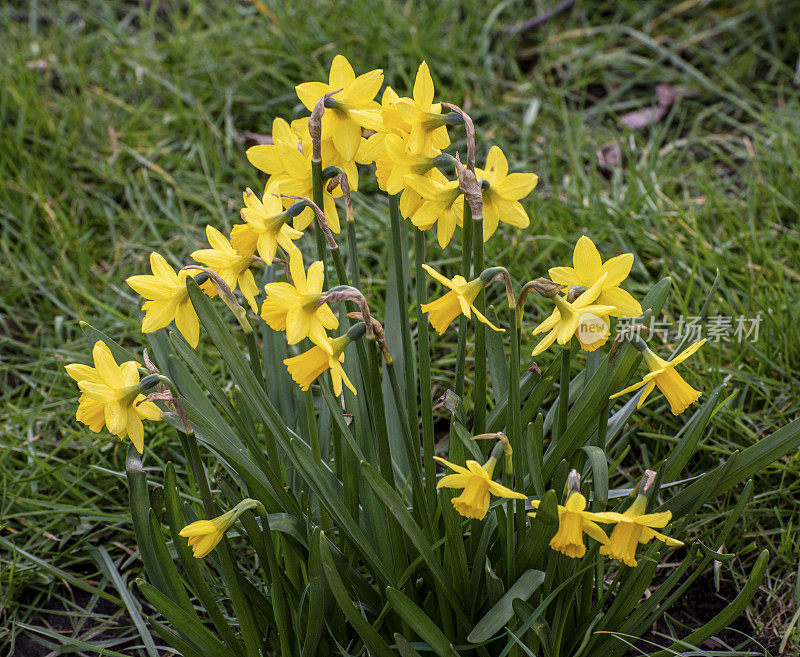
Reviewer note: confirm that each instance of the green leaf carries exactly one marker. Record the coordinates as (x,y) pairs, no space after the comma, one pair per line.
(184,622)
(372,640)
(120,353)
(494,619)
(597,458)
(730,613)
(419,621)
(740,466)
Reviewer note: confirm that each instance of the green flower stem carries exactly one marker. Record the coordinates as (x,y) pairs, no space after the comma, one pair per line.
(425,391)
(316,181)
(282,616)
(563,392)
(255,358)
(479,383)
(514,424)
(192,452)
(412,450)
(409,366)
(456,452)
(311,421)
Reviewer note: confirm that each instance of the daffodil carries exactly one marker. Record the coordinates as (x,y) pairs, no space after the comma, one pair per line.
(582,318)
(294,307)
(330,156)
(288,166)
(476,480)
(305,368)
(442,204)
(400,162)
(679,394)
(573,522)
(205,535)
(634,527)
(357,93)
(111,396)
(167,299)
(428,130)
(265,227)
(231,267)
(460,299)
(588,267)
(502,195)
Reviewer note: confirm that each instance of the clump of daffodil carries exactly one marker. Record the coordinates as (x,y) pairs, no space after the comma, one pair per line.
(266,226)
(478,485)
(205,535)
(340,123)
(502,193)
(442,204)
(460,299)
(634,526)
(305,368)
(679,394)
(288,166)
(582,318)
(112,396)
(167,299)
(428,132)
(231,266)
(588,267)
(574,521)
(294,307)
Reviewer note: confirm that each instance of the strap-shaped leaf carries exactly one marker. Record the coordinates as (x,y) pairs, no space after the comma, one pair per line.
(184,622)
(372,640)
(420,622)
(496,618)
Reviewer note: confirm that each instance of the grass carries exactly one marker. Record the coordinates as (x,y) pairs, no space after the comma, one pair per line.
(121,127)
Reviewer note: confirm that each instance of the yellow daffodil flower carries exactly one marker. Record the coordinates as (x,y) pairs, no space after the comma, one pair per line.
(588,267)
(400,162)
(288,166)
(265,227)
(205,535)
(582,318)
(428,130)
(633,527)
(573,522)
(382,122)
(442,204)
(501,197)
(111,396)
(231,267)
(167,299)
(476,480)
(293,307)
(679,394)
(357,93)
(306,367)
(330,156)
(460,299)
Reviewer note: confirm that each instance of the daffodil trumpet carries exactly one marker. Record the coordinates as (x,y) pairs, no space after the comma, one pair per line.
(205,535)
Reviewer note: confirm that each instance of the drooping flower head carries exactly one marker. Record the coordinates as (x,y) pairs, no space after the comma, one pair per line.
(460,299)
(294,307)
(232,267)
(634,527)
(305,368)
(266,226)
(288,166)
(339,123)
(111,396)
(582,318)
(428,132)
(501,197)
(476,480)
(678,392)
(588,267)
(167,299)
(442,204)
(205,535)
(573,522)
